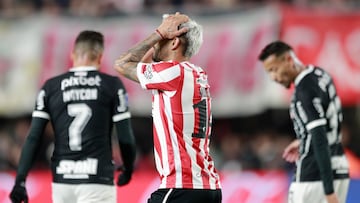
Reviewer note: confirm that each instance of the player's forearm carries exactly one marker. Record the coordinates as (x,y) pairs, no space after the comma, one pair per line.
(30,148)
(127,143)
(127,62)
(323,158)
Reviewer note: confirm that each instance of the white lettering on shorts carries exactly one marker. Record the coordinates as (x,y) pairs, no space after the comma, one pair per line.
(77,169)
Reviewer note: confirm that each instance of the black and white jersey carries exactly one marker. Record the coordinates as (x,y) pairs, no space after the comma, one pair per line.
(315,103)
(82,105)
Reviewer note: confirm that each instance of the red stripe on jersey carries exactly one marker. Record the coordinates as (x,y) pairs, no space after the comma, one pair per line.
(197,118)
(157,148)
(213,171)
(158,67)
(143,68)
(169,86)
(177,115)
(171,178)
(200,161)
(196,99)
(211,167)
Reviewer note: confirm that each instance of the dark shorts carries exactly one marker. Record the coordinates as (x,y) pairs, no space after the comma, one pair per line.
(175,195)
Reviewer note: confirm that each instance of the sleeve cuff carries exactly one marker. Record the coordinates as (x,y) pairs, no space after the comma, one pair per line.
(41,114)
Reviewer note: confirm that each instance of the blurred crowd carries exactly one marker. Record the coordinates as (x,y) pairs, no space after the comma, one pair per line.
(244,143)
(104,8)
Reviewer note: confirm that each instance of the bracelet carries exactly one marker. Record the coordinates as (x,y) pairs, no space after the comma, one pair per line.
(159,33)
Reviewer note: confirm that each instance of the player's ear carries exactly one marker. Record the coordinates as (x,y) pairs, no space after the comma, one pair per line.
(99,59)
(287,56)
(176,42)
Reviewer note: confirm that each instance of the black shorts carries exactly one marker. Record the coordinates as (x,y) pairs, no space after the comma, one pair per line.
(175,195)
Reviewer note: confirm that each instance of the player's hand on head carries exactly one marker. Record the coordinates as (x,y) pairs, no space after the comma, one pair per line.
(18,193)
(169,27)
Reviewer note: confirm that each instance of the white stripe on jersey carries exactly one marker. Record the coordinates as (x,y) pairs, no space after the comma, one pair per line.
(41,114)
(158,123)
(140,76)
(189,120)
(170,73)
(121,116)
(158,163)
(306,151)
(315,123)
(174,143)
(195,169)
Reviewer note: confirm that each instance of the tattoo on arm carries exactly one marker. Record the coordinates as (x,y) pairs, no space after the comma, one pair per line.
(127,62)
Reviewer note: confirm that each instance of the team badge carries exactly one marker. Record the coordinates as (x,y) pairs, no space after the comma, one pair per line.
(148,72)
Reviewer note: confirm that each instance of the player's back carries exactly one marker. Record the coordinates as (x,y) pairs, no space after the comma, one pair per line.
(80,104)
(316,103)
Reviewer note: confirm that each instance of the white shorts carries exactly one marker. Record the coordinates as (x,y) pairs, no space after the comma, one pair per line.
(306,192)
(83,193)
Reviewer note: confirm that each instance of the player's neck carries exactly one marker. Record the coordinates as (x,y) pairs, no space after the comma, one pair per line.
(85,60)
(299,68)
(86,64)
(81,63)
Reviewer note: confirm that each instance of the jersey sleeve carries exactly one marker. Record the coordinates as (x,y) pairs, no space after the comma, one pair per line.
(121,107)
(162,76)
(31,146)
(311,111)
(41,106)
(122,121)
(310,107)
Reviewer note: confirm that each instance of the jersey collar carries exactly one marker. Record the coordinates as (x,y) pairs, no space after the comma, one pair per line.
(83,68)
(303,73)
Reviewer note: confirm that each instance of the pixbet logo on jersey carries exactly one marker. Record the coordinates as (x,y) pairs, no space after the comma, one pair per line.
(77,81)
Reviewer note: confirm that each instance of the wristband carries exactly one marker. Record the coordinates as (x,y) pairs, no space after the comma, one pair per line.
(159,33)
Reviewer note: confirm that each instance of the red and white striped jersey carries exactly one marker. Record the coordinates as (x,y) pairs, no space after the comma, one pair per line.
(181,111)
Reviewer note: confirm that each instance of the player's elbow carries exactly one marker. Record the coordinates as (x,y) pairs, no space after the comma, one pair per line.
(119,66)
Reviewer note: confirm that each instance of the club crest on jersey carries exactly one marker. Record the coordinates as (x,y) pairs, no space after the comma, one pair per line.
(148,72)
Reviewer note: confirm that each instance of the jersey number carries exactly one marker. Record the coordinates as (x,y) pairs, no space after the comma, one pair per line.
(202,121)
(82,114)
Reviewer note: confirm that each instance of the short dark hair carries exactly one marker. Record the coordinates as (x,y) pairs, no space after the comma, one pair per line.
(276,47)
(91,42)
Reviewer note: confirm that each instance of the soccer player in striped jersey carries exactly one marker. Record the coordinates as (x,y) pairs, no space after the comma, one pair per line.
(82,105)
(181,110)
(322,173)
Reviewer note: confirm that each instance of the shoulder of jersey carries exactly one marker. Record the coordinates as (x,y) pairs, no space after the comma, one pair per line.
(309,80)
(57,77)
(166,64)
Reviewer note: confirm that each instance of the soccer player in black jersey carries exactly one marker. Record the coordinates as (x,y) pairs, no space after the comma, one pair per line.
(82,105)
(315,109)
